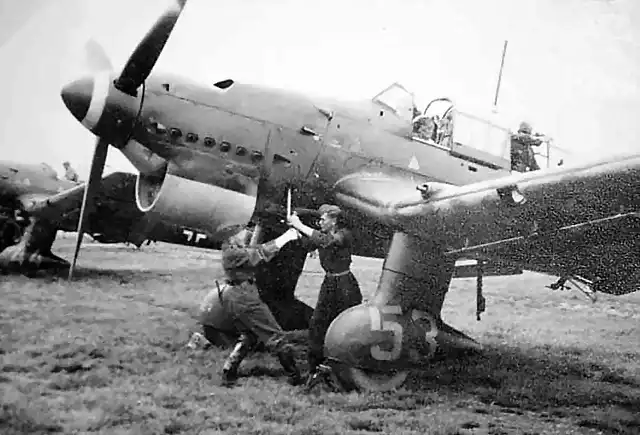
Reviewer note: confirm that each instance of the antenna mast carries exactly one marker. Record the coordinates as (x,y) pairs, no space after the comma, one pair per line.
(495,100)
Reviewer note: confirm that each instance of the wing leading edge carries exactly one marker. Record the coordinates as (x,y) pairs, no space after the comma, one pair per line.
(115,210)
(582,220)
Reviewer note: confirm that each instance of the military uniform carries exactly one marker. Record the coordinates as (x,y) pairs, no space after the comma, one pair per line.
(522,155)
(339,289)
(245,311)
(217,324)
(70,173)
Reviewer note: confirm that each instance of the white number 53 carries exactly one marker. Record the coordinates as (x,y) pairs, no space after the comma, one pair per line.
(378,324)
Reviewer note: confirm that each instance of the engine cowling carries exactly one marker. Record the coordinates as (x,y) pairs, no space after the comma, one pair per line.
(192,205)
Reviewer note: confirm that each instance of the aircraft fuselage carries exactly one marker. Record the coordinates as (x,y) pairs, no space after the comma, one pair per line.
(281,140)
(20,179)
(213,157)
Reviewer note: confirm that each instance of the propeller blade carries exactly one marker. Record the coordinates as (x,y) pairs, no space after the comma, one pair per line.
(93,183)
(146,54)
(96,58)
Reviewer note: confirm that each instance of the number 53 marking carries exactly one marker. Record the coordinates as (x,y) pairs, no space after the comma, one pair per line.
(377,324)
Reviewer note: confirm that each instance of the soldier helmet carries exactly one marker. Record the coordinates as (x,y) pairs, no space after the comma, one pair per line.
(525,127)
(66,163)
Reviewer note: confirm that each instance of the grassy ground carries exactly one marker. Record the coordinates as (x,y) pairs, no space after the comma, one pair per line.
(105,354)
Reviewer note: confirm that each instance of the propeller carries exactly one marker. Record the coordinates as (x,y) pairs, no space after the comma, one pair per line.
(135,72)
(97,59)
(146,54)
(93,184)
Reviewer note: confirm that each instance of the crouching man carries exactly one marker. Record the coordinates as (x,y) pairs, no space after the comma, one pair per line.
(237,302)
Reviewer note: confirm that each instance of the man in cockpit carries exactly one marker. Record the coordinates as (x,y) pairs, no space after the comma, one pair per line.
(423,127)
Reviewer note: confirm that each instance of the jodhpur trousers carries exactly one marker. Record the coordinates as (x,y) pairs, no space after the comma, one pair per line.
(337,293)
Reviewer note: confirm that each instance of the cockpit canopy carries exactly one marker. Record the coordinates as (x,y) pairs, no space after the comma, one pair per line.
(473,137)
(443,124)
(397,99)
(471,134)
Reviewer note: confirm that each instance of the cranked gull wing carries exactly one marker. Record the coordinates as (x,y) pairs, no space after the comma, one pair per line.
(115,203)
(544,220)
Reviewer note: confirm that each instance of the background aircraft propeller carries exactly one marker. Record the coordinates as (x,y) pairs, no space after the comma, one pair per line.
(135,72)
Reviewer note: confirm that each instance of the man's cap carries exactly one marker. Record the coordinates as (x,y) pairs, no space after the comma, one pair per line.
(525,127)
(330,209)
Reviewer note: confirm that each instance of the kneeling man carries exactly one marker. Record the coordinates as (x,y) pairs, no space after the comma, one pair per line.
(238,304)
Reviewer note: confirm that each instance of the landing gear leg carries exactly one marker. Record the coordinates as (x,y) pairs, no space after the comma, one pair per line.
(33,251)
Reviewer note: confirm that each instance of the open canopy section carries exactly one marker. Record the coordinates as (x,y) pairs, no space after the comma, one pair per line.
(438,107)
(397,99)
(476,135)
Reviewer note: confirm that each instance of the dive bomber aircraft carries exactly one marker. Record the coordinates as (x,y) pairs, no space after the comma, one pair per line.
(27,189)
(210,157)
(22,185)
(35,204)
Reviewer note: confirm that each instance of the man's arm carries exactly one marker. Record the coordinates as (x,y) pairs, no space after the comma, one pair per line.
(254,255)
(527,139)
(306,243)
(338,238)
(318,239)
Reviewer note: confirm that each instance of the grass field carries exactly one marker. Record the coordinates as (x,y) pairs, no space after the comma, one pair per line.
(105,354)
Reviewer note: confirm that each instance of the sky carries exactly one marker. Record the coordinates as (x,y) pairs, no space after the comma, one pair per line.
(572,67)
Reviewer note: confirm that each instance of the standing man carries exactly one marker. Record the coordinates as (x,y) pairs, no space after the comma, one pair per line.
(237,305)
(340,289)
(522,156)
(70,173)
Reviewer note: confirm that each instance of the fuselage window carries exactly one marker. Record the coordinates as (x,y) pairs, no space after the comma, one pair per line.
(225,146)
(256,156)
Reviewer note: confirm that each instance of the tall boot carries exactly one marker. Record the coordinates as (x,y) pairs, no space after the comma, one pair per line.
(239,352)
(288,362)
(314,360)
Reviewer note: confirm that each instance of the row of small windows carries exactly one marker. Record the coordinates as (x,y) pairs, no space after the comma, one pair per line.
(211,142)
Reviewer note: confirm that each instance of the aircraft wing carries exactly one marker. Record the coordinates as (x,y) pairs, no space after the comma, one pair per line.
(114,214)
(566,221)
(591,249)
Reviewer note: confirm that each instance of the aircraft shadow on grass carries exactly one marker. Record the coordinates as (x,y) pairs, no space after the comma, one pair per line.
(508,376)
(511,378)
(83,273)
